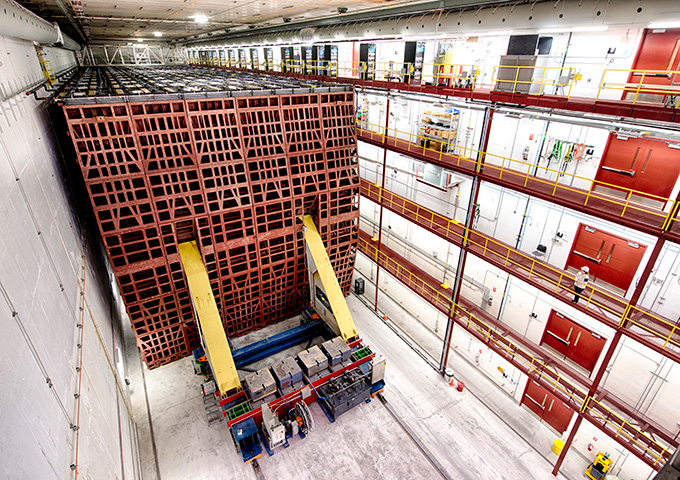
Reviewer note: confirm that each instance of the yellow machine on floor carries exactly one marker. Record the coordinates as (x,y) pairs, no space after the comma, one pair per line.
(599,468)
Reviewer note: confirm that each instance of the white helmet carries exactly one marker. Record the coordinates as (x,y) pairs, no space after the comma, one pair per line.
(585,269)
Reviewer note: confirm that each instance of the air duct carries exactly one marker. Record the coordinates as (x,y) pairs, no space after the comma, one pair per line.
(16,21)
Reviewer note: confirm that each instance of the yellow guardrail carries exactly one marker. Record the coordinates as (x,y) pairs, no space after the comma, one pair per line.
(670,330)
(620,428)
(488,247)
(643,82)
(463,156)
(526,79)
(485,244)
(515,353)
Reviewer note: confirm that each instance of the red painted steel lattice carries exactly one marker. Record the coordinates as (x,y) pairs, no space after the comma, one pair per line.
(232,174)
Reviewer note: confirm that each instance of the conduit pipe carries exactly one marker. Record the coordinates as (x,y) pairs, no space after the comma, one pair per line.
(16,21)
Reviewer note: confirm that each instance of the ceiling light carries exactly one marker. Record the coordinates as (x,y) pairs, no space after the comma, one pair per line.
(140,40)
(665,24)
(157,34)
(499,33)
(595,28)
(199,18)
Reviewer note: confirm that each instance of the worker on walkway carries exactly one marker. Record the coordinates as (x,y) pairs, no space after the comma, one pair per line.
(580,281)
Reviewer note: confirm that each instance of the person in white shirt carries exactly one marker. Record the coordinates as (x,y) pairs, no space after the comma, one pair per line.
(580,282)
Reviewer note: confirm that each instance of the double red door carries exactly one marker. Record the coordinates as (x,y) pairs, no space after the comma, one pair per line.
(547,406)
(572,340)
(659,50)
(611,258)
(646,166)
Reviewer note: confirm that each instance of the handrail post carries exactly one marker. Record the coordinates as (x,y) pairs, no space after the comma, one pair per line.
(637,92)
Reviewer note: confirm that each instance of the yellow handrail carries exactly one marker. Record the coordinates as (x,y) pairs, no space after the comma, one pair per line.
(619,431)
(467,76)
(514,352)
(670,92)
(478,239)
(465,156)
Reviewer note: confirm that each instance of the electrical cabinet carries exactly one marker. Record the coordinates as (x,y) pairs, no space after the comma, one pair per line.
(414,55)
(326,57)
(308,60)
(367,53)
(286,59)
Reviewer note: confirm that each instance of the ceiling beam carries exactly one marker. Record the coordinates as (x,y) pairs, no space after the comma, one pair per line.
(420,8)
(75,22)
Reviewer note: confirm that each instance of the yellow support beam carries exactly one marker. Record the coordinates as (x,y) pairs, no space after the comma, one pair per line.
(210,324)
(327,297)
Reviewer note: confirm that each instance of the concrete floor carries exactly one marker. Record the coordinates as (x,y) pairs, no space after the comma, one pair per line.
(467,438)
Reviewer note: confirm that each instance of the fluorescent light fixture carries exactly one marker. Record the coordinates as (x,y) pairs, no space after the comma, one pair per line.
(498,33)
(665,24)
(595,28)
(199,18)
(436,36)
(157,34)
(140,40)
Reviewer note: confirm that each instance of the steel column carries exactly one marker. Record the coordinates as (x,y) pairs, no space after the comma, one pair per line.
(612,348)
(382,189)
(462,257)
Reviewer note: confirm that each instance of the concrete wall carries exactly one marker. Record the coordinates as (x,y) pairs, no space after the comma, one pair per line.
(64,398)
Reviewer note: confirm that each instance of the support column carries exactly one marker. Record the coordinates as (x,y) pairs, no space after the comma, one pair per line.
(672,214)
(612,348)
(460,267)
(380,197)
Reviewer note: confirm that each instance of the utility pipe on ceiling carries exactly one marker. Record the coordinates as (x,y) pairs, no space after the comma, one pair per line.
(16,21)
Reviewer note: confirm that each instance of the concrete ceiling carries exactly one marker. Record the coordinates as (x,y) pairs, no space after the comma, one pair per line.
(129,20)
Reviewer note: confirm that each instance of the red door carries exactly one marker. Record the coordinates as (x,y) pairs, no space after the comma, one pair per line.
(646,166)
(547,406)
(572,340)
(611,259)
(659,50)
(587,250)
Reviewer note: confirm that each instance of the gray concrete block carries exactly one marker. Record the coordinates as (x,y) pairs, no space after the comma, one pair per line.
(287,372)
(343,348)
(260,384)
(332,352)
(313,361)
